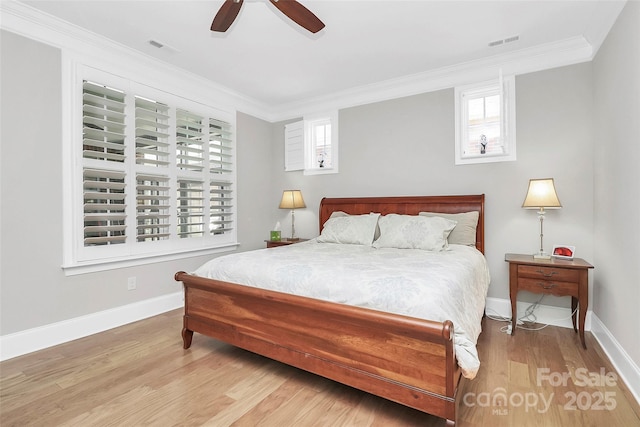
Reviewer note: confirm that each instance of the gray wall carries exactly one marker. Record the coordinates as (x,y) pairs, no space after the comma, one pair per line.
(406,147)
(257,201)
(617,181)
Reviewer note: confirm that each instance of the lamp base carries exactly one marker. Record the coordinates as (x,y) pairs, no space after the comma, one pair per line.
(541,255)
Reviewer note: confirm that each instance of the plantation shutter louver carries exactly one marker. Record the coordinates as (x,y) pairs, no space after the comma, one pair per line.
(103,143)
(294,146)
(220,147)
(189,134)
(103,122)
(220,190)
(221,207)
(190,208)
(152,207)
(104,207)
(152,137)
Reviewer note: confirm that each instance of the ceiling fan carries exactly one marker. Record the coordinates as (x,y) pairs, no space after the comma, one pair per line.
(294,10)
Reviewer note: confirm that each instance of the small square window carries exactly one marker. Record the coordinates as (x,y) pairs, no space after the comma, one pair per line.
(485,122)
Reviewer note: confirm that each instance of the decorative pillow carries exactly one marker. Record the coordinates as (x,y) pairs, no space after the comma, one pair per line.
(414,232)
(465,231)
(349,229)
(337,214)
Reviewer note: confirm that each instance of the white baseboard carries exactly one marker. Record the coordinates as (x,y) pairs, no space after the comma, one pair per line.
(556,316)
(23,342)
(626,367)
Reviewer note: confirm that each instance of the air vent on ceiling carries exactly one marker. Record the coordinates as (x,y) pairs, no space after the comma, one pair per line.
(504,41)
(156,43)
(163,46)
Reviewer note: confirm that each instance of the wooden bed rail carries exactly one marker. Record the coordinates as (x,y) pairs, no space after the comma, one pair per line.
(352,345)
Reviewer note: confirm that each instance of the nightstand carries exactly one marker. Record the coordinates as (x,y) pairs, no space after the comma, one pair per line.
(283,242)
(553,277)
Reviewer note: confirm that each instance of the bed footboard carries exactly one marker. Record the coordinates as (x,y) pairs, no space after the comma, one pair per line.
(403,359)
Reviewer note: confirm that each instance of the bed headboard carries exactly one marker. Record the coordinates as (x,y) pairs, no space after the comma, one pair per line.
(407,205)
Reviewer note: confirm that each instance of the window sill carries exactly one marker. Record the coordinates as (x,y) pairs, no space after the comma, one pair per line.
(112,264)
(486,159)
(320,171)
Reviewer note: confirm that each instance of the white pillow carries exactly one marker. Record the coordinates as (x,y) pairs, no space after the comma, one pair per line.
(351,229)
(465,231)
(414,232)
(336,214)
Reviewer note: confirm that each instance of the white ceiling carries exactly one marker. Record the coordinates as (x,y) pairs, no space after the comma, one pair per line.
(271,60)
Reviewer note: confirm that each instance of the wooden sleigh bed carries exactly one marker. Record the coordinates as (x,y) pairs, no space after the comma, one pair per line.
(406,360)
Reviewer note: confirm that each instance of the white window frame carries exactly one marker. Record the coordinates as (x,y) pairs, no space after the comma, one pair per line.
(505,87)
(300,144)
(79,258)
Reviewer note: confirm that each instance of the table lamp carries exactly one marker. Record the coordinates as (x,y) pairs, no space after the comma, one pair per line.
(541,195)
(292,199)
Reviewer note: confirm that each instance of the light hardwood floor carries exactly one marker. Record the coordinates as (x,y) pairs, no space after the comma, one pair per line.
(139,374)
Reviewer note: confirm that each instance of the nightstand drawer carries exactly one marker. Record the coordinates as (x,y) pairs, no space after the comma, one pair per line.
(548,287)
(548,273)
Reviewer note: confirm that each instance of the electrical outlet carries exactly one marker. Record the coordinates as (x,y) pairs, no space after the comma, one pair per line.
(131,283)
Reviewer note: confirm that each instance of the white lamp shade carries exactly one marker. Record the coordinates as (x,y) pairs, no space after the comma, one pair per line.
(541,194)
(292,199)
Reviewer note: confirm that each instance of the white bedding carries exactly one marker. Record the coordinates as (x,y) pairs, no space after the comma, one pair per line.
(449,285)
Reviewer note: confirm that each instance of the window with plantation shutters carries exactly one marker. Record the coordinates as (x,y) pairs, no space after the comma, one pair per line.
(155,174)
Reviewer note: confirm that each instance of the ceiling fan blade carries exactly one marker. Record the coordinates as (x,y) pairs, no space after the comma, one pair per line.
(299,14)
(226,15)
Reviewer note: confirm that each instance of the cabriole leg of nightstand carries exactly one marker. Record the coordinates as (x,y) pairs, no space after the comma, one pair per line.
(583,303)
(581,317)
(574,305)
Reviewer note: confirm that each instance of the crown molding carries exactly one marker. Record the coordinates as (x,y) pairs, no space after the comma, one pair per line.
(523,61)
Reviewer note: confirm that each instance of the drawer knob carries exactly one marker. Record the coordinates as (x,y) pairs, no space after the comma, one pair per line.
(546,274)
(547,286)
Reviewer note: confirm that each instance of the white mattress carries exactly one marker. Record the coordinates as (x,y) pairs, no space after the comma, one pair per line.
(449,285)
